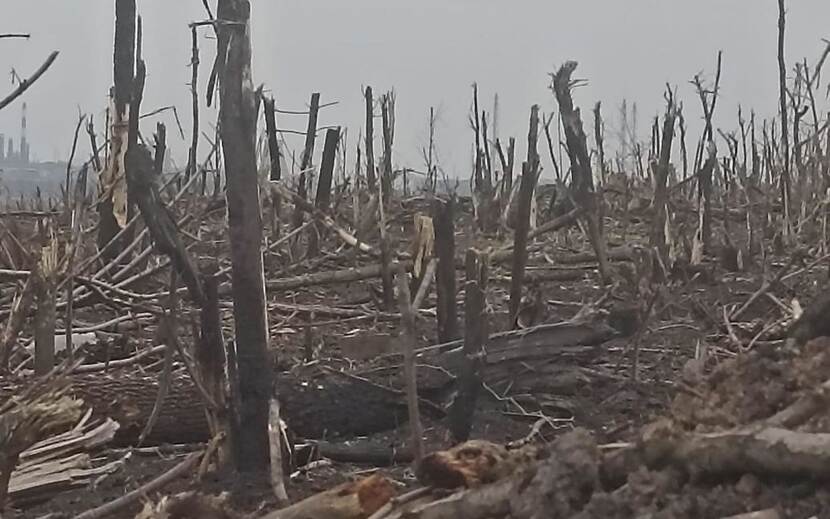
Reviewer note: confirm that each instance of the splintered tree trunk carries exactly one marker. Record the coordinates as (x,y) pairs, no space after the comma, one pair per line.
(323,198)
(444,224)
(112,182)
(238,132)
(658,230)
(583,181)
(475,336)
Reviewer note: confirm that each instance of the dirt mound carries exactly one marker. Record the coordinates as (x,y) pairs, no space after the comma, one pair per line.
(752,437)
(755,387)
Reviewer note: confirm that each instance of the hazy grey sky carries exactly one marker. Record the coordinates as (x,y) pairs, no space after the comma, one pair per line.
(429,51)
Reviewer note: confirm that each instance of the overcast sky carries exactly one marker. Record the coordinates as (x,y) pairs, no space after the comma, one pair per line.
(429,51)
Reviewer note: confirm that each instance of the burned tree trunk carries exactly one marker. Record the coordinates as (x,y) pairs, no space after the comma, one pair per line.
(444,224)
(275,174)
(305,162)
(371,178)
(528,184)
(323,198)
(238,133)
(475,337)
(582,176)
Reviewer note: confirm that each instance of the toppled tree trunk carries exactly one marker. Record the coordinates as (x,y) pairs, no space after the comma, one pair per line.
(765,451)
(331,277)
(312,406)
(238,132)
(582,176)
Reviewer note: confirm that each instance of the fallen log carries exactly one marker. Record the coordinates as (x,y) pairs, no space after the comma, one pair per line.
(332,277)
(765,451)
(312,405)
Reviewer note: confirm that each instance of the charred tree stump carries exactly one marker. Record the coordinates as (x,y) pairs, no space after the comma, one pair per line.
(475,337)
(444,224)
(238,133)
(323,198)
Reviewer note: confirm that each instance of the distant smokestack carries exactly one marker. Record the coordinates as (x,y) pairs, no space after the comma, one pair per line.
(2,147)
(10,148)
(24,144)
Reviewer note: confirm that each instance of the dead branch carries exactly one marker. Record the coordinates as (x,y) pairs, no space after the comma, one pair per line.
(26,83)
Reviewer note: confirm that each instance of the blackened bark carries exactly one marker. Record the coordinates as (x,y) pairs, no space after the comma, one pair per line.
(323,198)
(444,224)
(370,141)
(238,134)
